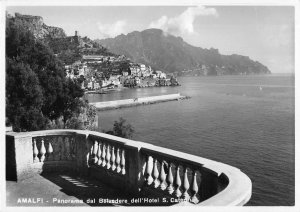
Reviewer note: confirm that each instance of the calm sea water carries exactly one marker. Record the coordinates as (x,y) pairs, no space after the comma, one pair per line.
(228,119)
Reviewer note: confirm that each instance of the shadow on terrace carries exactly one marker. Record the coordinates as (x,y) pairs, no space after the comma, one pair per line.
(68,189)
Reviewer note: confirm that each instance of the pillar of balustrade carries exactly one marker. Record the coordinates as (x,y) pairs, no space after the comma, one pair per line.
(123,163)
(67,148)
(177,183)
(186,186)
(61,150)
(108,157)
(49,151)
(155,175)
(72,148)
(99,154)
(195,198)
(95,151)
(131,166)
(162,177)
(83,149)
(113,158)
(20,156)
(42,151)
(170,179)
(103,156)
(118,161)
(35,152)
(148,173)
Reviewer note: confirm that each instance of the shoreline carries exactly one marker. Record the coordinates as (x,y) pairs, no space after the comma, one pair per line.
(118,104)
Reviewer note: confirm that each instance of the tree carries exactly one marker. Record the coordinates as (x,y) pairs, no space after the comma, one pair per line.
(37,90)
(122,129)
(23,97)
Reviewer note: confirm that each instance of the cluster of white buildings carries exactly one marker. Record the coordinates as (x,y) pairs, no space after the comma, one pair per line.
(116,77)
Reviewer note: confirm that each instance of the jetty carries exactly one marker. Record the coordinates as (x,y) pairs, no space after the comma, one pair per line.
(109,105)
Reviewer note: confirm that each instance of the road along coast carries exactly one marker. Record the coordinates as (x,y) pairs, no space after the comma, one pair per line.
(137,101)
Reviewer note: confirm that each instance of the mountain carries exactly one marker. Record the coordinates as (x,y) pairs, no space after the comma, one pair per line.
(36,25)
(172,54)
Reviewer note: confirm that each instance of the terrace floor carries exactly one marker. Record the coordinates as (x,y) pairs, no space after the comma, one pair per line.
(54,187)
(66,190)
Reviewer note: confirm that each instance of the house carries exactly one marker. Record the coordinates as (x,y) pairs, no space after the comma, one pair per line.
(137,80)
(163,76)
(104,83)
(70,74)
(154,76)
(146,73)
(81,71)
(96,85)
(158,73)
(114,80)
(143,67)
(90,85)
(124,73)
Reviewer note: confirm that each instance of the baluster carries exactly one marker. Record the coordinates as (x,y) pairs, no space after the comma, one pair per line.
(118,161)
(92,150)
(95,151)
(103,155)
(177,183)
(162,177)
(108,157)
(99,154)
(113,158)
(155,175)
(49,150)
(91,147)
(35,152)
(170,187)
(186,185)
(149,171)
(195,198)
(123,162)
(42,151)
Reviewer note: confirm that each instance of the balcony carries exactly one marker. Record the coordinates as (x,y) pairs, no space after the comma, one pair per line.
(74,167)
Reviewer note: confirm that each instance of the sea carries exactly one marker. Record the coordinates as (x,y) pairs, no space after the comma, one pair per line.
(244,121)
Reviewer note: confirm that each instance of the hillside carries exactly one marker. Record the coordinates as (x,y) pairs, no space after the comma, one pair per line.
(172,54)
(67,48)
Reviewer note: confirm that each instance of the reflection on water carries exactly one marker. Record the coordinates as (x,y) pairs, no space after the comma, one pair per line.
(228,119)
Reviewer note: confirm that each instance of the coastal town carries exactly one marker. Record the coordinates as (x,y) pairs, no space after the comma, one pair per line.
(98,72)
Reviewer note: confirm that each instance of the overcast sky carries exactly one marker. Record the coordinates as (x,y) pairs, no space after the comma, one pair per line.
(264,33)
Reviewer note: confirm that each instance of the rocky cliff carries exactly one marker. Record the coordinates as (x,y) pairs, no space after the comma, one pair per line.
(37,26)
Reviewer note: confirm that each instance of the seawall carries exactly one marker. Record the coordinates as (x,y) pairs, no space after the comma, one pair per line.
(137,101)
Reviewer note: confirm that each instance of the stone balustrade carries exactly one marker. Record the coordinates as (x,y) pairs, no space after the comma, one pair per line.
(132,166)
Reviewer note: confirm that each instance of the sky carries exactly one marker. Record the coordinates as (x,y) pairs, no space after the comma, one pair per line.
(264,33)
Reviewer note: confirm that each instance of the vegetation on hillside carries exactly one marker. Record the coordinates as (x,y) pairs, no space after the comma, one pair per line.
(38,94)
(37,90)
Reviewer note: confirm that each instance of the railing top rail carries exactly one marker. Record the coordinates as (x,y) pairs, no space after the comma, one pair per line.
(237,192)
